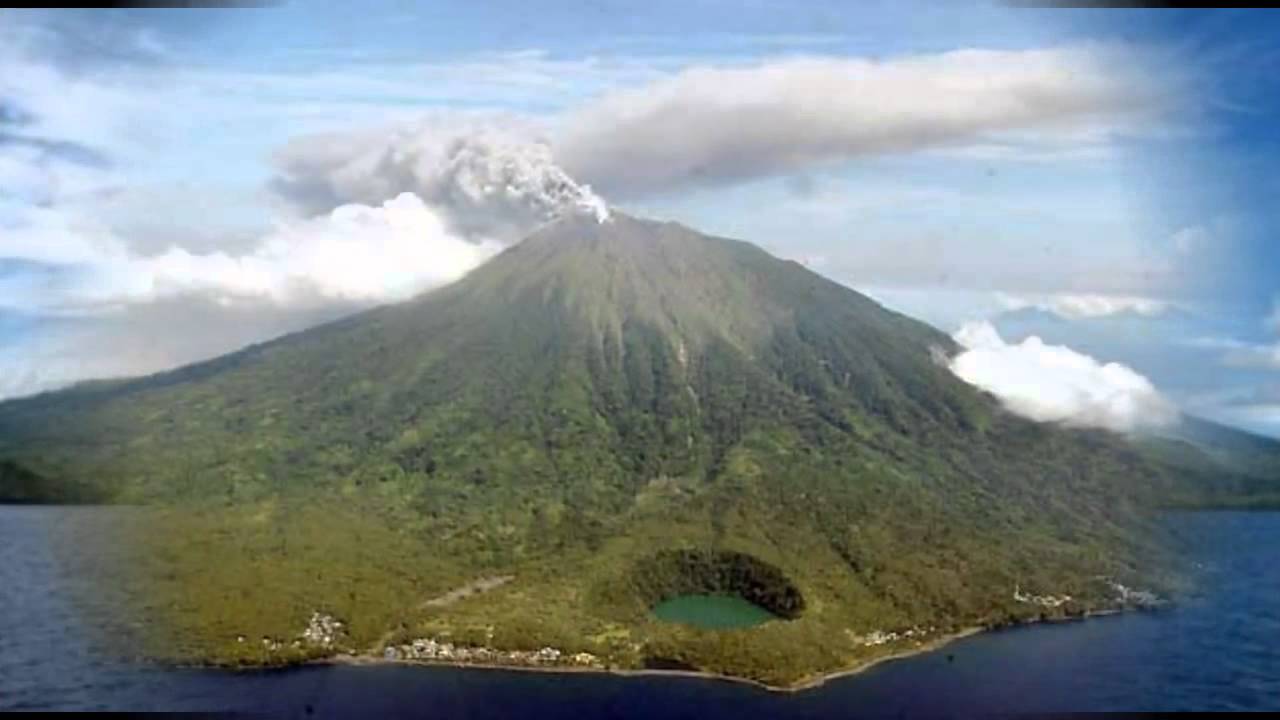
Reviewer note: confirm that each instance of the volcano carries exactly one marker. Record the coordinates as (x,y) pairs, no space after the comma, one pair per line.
(604,416)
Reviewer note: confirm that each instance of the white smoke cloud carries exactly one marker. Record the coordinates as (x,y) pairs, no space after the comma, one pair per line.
(1053,383)
(710,125)
(484,182)
(714,125)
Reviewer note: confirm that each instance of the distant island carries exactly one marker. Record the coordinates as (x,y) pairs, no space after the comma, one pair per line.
(619,445)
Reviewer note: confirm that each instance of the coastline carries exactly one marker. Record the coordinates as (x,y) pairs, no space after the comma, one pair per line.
(799,686)
(807,683)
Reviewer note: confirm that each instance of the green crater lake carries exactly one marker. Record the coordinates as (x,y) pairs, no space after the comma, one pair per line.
(712,612)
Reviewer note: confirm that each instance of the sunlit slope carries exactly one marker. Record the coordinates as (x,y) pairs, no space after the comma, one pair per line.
(658,338)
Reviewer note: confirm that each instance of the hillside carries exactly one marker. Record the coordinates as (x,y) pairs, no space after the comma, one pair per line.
(1216,467)
(603,416)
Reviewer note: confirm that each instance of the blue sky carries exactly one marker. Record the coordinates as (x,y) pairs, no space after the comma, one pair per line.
(1097,178)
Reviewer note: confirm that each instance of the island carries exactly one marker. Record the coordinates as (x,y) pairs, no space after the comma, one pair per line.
(620,445)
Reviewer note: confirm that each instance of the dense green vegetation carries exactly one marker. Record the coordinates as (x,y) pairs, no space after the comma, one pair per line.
(611,414)
(1215,467)
(20,485)
(672,573)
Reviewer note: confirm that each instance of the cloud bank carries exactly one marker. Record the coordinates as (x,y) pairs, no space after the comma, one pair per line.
(1053,383)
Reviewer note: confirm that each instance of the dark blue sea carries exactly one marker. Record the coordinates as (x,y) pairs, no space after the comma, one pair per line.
(1219,650)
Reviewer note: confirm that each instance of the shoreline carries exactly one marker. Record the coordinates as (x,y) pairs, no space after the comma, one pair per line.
(801,685)
(804,683)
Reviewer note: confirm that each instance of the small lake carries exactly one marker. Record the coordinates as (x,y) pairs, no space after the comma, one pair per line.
(1218,650)
(712,612)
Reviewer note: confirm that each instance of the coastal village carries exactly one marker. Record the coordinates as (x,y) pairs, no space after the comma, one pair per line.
(1140,598)
(1123,595)
(429,649)
(1049,601)
(326,632)
(881,637)
(322,631)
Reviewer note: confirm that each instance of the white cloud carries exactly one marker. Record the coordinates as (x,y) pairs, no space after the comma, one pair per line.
(145,313)
(709,125)
(1053,383)
(1216,343)
(85,162)
(53,103)
(1252,355)
(1078,306)
(353,253)
(356,252)
(58,135)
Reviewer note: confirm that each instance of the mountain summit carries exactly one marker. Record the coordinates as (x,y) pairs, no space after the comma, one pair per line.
(604,416)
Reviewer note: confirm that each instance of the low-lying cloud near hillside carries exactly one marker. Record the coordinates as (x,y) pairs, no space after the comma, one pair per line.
(352,238)
(351,253)
(1053,383)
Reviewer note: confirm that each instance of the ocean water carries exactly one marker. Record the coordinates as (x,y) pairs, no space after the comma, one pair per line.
(1219,650)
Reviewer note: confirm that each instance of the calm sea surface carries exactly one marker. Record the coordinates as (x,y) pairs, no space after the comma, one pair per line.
(1217,651)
